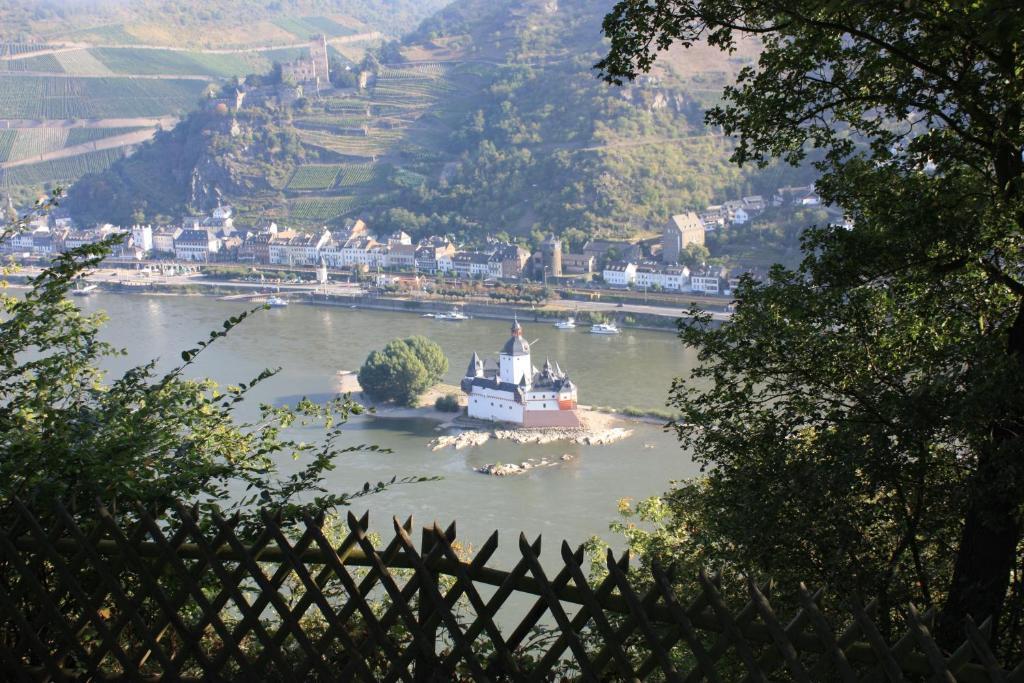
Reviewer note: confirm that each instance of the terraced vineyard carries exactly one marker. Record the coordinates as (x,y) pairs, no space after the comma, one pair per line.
(358,174)
(371,146)
(59,170)
(52,97)
(320,208)
(312,177)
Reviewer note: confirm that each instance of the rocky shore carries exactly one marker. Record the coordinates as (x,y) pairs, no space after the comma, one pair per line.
(584,437)
(508,469)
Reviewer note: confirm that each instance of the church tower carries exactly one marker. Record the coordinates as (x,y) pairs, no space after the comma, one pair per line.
(514,360)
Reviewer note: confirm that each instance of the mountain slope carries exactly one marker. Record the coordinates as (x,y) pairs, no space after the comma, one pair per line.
(487,119)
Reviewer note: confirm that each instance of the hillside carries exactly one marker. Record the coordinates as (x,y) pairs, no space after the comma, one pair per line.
(487,119)
(206,24)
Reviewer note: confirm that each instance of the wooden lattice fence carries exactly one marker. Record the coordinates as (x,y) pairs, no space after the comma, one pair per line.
(188,598)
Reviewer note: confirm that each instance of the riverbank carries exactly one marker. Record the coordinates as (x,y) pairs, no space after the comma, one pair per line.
(655,318)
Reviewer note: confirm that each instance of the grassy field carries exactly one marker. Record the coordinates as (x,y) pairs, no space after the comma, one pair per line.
(50,97)
(60,170)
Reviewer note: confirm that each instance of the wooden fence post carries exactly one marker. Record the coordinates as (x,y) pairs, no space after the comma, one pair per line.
(425,664)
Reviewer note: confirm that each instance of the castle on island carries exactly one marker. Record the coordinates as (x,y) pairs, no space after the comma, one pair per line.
(514,391)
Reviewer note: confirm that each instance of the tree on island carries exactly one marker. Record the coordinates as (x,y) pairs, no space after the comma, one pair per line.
(403,370)
(862,417)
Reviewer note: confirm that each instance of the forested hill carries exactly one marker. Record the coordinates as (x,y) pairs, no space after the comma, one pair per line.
(488,118)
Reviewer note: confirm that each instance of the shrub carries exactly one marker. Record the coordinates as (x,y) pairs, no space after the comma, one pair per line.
(449,403)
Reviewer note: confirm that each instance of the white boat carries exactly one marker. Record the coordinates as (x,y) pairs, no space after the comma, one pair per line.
(277,302)
(454,315)
(567,324)
(604,328)
(83,291)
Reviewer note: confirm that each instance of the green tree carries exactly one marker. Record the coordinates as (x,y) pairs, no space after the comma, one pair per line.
(431,355)
(69,434)
(878,389)
(403,370)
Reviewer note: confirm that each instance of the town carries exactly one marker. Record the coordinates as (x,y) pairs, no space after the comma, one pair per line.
(675,261)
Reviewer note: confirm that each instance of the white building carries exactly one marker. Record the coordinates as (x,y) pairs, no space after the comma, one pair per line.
(142,237)
(709,281)
(670,278)
(620,273)
(195,245)
(517,392)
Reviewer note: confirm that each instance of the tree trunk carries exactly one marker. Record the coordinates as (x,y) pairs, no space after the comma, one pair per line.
(992,526)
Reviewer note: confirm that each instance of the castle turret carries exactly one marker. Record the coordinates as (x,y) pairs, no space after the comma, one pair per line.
(514,360)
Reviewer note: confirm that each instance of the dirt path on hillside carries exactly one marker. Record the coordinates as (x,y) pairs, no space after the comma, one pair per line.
(151,77)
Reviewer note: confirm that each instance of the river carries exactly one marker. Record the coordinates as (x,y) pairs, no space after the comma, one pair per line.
(571,501)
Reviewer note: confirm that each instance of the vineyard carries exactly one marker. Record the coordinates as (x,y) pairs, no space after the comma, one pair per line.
(82,62)
(313,177)
(320,208)
(51,97)
(15,49)
(304,27)
(6,142)
(374,145)
(128,60)
(59,170)
(80,136)
(45,63)
(31,142)
(358,174)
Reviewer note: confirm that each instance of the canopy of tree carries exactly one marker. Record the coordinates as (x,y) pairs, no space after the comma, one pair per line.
(403,370)
(862,418)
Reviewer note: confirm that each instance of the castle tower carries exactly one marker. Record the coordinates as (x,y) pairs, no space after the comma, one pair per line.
(514,360)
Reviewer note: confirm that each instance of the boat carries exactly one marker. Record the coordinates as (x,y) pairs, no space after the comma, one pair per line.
(83,291)
(277,302)
(604,328)
(454,315)
(567,324)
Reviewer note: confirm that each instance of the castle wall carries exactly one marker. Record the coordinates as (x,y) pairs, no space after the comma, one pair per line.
(485,404)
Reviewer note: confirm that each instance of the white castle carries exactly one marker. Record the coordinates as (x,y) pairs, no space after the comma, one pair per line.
(514,391)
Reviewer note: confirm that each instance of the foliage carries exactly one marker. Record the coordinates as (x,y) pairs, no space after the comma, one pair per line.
(862,417)
(69,434)
(448,403)
(403,370)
